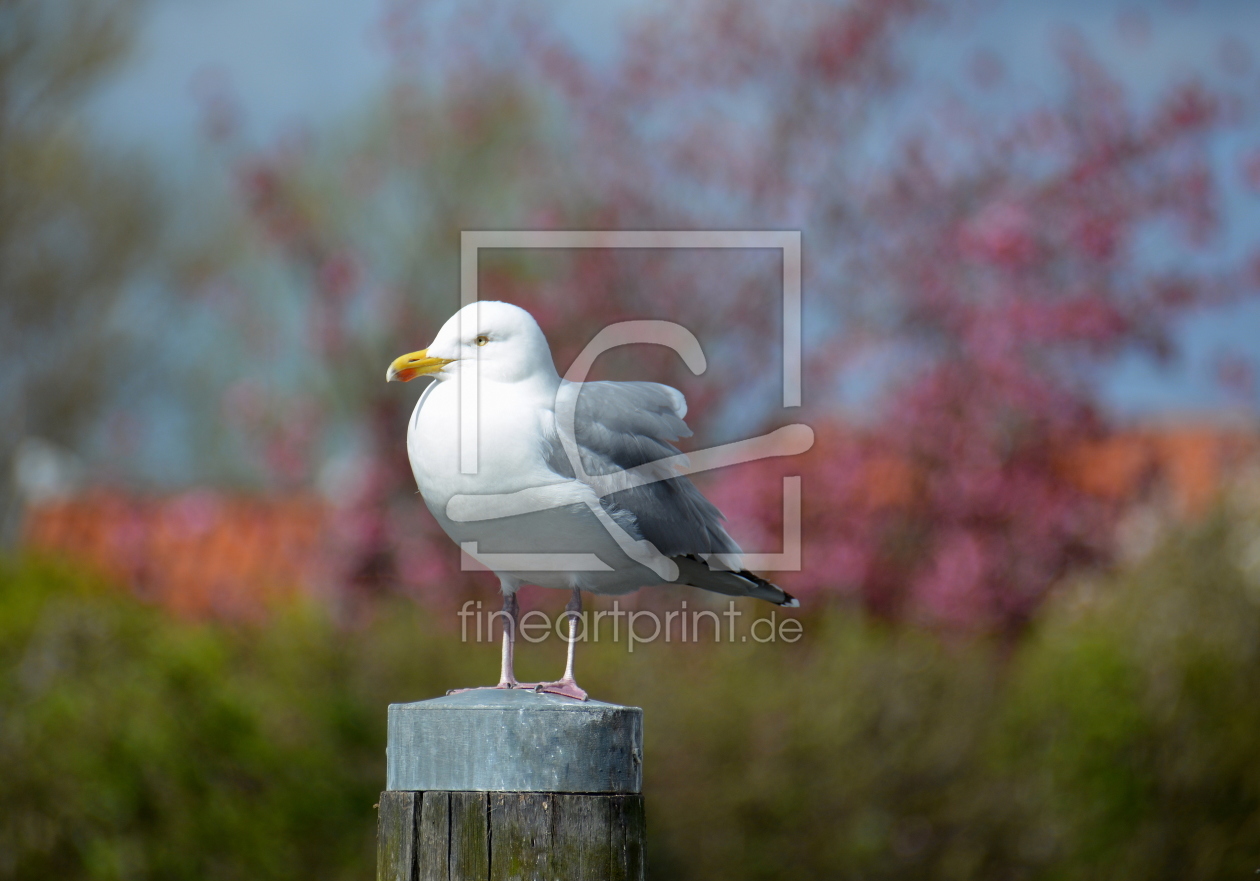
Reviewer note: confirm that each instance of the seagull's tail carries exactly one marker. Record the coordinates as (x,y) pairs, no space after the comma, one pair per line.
(696,572)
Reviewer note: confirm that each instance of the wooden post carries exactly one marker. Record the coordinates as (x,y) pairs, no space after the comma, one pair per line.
(499,784)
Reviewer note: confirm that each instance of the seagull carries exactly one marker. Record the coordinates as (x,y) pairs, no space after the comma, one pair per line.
(575,486)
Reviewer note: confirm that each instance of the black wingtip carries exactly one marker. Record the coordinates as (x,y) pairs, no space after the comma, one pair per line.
(788,601)
(732,583)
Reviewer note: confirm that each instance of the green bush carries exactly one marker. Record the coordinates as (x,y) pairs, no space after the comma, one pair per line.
(136,746)
(1141,710)
(1118,741)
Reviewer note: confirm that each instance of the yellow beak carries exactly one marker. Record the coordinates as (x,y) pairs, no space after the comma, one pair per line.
(408,367)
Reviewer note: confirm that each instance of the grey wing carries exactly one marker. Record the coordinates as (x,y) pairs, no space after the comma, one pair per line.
(624,425)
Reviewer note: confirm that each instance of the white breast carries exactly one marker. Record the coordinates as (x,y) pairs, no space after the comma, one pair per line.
(513,442)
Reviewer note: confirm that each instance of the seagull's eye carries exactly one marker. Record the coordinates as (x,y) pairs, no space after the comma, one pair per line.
(482,340)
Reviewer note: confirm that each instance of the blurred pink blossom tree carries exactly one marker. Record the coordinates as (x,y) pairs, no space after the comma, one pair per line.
(997,263)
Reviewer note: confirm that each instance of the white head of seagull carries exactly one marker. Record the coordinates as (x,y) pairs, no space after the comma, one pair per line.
(501,341)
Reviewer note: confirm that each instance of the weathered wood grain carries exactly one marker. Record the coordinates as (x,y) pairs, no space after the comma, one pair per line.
(581,837)
(433,834)
(470,836)
(628,830)
(520,836)
(396,836)
(478,836)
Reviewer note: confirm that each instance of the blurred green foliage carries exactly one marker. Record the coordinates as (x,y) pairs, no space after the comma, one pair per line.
(78,222)
(137,746)
(1118,741)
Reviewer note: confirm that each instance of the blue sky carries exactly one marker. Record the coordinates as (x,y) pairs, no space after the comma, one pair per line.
(315,63)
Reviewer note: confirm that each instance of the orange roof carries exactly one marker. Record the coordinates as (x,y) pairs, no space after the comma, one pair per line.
(209,553)
(199,553)
(1191,463)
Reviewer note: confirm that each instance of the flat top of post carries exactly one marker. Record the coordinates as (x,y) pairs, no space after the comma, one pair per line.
(501,740)
(511,699)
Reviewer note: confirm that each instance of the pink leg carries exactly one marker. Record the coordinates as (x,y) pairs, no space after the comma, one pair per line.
(566,685)
(507,675)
